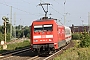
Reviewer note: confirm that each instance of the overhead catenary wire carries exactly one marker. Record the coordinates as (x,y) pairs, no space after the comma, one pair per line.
(19,9)
(30,3)
(26,1)
(56,2)
(52,8)
(29,12)
(56,11)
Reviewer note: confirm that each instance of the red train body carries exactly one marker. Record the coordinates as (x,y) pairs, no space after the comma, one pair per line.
(47,35)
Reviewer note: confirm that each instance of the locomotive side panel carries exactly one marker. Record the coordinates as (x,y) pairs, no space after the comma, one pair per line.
(61,36)
(31,40)
(55,38)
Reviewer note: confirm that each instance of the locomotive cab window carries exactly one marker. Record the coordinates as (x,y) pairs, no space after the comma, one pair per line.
(43,28)
(48,27)
(38,28)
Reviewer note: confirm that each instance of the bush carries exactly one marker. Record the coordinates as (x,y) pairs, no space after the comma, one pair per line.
(76,36)
(85,40)
(7,37)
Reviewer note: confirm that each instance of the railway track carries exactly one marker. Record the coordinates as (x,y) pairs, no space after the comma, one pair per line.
(14,56)
(34,58)
(15,52)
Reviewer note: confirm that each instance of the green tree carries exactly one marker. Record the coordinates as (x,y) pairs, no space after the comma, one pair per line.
(8,37)
(18,33)
(8,28)
(27,32)
(28,35)
(0,28)
(1,36)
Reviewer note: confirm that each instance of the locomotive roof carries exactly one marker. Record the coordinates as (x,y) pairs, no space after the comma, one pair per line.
(48,19)
(45,19)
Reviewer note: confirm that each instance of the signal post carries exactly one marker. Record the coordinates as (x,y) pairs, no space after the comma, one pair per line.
(4,42)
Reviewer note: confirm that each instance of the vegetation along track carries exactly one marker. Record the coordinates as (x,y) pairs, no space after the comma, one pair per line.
(15,52)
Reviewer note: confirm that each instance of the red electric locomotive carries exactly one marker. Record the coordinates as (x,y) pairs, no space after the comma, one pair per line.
(47,35)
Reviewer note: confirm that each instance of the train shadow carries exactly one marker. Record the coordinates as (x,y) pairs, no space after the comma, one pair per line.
(27,53)
(30,54)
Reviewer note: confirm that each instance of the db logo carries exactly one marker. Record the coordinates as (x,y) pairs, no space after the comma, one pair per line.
(43,36)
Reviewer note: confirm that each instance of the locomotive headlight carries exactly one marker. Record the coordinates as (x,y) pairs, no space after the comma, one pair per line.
(50,39)
(35,40)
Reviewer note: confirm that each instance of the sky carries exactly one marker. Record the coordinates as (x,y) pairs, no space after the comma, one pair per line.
(24,12)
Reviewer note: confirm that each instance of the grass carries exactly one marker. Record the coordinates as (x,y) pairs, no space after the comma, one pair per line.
(15,46)
(18,45)
(75,53)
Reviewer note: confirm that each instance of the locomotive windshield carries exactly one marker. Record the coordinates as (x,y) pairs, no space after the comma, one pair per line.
(43,28)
